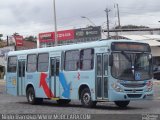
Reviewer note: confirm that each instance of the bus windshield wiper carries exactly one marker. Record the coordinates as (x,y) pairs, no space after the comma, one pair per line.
(126,56)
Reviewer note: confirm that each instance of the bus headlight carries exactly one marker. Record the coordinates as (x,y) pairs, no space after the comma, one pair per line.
(116,87)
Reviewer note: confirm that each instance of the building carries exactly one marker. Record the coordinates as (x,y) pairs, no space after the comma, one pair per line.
(3,59)
(26,45)
(5,49)
(138,31)
(47,39)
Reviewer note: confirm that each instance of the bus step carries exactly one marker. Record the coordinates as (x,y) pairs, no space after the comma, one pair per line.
(55,98)
(102,100)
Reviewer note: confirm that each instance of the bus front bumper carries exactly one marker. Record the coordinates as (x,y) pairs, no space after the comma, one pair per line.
(121,96)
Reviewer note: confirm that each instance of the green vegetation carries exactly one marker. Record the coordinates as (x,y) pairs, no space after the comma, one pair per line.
(31,38)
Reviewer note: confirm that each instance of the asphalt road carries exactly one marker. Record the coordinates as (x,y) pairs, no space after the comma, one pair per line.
(18,105)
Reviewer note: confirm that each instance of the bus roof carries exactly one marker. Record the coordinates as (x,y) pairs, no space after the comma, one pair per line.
(98,43)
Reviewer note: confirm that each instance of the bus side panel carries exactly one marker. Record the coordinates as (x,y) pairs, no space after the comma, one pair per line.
(77,78)
(11,84)
(34,79)
(87,78)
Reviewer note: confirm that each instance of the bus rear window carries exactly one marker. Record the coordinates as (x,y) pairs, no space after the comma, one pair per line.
(12,64)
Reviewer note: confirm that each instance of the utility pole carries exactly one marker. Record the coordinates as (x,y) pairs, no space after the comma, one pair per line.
(107,11)
(55,24)
(119,24)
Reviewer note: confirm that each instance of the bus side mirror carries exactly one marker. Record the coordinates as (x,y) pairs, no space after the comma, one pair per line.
(150,59)
(110,60)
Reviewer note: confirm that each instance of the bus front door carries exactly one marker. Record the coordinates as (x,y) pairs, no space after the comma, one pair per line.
(54,73)
(101,76)
(21,78)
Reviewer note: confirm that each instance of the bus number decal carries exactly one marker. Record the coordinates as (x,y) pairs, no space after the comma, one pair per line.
(14,82)
(44,85)
(66,87)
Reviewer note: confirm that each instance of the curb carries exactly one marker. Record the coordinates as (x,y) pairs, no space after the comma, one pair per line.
(157,98)
(156,82)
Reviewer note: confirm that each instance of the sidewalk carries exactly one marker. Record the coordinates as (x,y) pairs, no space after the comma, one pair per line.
(156,82)
(156,88)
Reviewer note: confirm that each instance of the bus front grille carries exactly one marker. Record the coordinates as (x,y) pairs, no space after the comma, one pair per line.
(133,85)
(134,95)
(133,90)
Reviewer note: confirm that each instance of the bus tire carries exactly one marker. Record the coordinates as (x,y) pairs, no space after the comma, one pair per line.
(122,104)
(31,96)
(63,101)
(86,98)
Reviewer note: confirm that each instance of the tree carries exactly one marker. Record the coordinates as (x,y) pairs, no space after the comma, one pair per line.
(31,38)
(15,34)
(1,35)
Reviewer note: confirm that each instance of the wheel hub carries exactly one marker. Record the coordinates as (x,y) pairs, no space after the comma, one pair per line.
(86,98)
(31,97)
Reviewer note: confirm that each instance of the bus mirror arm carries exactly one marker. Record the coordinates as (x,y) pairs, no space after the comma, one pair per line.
(150,59)
(50,73)
(111,60)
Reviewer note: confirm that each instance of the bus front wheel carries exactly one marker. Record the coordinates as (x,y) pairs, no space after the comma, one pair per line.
(122,104)
(86,98)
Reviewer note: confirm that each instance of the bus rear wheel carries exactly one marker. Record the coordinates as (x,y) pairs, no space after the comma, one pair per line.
(122,104)
(86,98)
(31,97)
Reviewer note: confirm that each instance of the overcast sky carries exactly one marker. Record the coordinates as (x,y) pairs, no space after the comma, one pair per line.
(30,17)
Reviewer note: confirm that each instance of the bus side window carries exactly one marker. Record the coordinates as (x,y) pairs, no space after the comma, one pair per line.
(105,64)
(54,71)
(71,62)
(52,67)
(12,64)
(99,65)
(57,67)
(19,70)
(32,63)
(87,59)
(62,60)
(43,62)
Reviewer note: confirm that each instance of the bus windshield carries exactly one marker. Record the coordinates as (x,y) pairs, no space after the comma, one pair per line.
(131,66)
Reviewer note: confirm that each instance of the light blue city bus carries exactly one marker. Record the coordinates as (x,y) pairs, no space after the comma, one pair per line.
(118,71)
